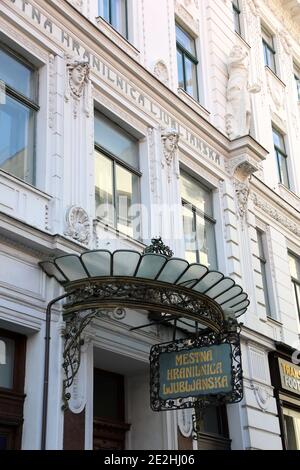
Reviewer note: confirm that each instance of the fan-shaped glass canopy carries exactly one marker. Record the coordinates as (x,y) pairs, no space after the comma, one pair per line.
(151,268)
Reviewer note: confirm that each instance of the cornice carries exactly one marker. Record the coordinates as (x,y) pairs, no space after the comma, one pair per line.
(272,205)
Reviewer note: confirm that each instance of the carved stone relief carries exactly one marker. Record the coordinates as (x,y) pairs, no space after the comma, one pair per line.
(161,72)
(276,101)
(238,112)
(185,422)
(78,83)
(170,139)
(78,225)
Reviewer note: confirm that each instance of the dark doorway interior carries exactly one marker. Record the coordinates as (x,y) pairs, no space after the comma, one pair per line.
(109,411)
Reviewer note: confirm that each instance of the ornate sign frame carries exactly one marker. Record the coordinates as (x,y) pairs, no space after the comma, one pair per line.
(185,344)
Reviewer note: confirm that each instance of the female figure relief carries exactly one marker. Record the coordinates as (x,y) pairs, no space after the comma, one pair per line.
(238,115)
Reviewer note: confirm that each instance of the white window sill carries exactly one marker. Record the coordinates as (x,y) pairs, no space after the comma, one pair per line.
(192,103)
(289,196)
(117,38)
(103,227)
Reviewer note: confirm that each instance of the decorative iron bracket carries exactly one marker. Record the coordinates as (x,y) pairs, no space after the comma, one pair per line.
(75,325)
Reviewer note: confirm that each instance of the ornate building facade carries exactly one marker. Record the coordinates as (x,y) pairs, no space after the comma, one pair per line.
(121,120)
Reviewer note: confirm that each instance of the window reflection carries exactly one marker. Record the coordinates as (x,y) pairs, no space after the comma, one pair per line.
(7,351)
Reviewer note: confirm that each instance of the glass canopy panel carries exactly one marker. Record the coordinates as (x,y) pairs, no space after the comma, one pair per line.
(172,270)
(233,292)
(223,286)
(240,306)
(150,266)
(52,271)
(125,263)
(237,300)
(193,273)
(208,280)
(97,263)
(71,267)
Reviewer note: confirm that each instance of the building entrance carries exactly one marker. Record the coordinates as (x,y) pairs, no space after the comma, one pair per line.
(109,411)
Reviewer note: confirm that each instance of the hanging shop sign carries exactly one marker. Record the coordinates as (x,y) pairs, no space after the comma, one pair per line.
(289,376)
(206,368)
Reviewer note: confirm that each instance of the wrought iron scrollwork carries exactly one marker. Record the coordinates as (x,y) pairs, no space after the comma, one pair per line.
(73,343)
(158,246)
(150,295)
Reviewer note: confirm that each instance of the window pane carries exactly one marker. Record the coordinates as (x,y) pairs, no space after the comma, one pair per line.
(180,69)
(206,242)
(190,78)
(17,75)
(17,139)
(265,288)
(126,201)
(292,428)
(185,40)
(294,263)
(283,170)
(278,140)
(104,9)
(267,37)
(196,194)
(189,235)
(118,16)
(7,352)
(260,244)
(117,141)
(104,189)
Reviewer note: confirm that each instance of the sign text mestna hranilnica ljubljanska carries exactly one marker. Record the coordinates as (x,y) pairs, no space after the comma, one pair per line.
(199,371)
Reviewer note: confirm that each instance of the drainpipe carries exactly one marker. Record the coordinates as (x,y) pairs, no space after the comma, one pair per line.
(46,369)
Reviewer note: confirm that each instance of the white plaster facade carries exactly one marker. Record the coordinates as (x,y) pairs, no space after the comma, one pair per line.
(136,82)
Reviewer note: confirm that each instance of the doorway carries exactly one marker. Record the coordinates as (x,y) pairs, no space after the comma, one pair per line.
(109,411)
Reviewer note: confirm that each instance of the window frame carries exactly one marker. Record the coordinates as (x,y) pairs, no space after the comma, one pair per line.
(295,282)
(263,263)
(196,211)
(265,33)
(281,152)
(30,103)
(237,15)
(194,59)
(297,80)
(109,21)
(117,161)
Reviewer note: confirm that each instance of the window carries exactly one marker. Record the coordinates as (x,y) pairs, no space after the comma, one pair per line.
(115,13)
(198,222)
(297,80)
(236,16)
(263,269)
(18,108)
(292,428)
(281,157)
(117,176)
(269,50)
(294,263)
(187,62)
(12,372)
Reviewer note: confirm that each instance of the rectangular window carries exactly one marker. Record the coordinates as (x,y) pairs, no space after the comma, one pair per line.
(198,222)
(263,269)
(236,16)
(297,80)
(115,13)
(117,177)
(18,109)
(294,262)
(269,50)
(187,62)
(292,428)
(281,157)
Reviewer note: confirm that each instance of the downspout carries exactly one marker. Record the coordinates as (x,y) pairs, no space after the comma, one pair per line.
(46,369)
